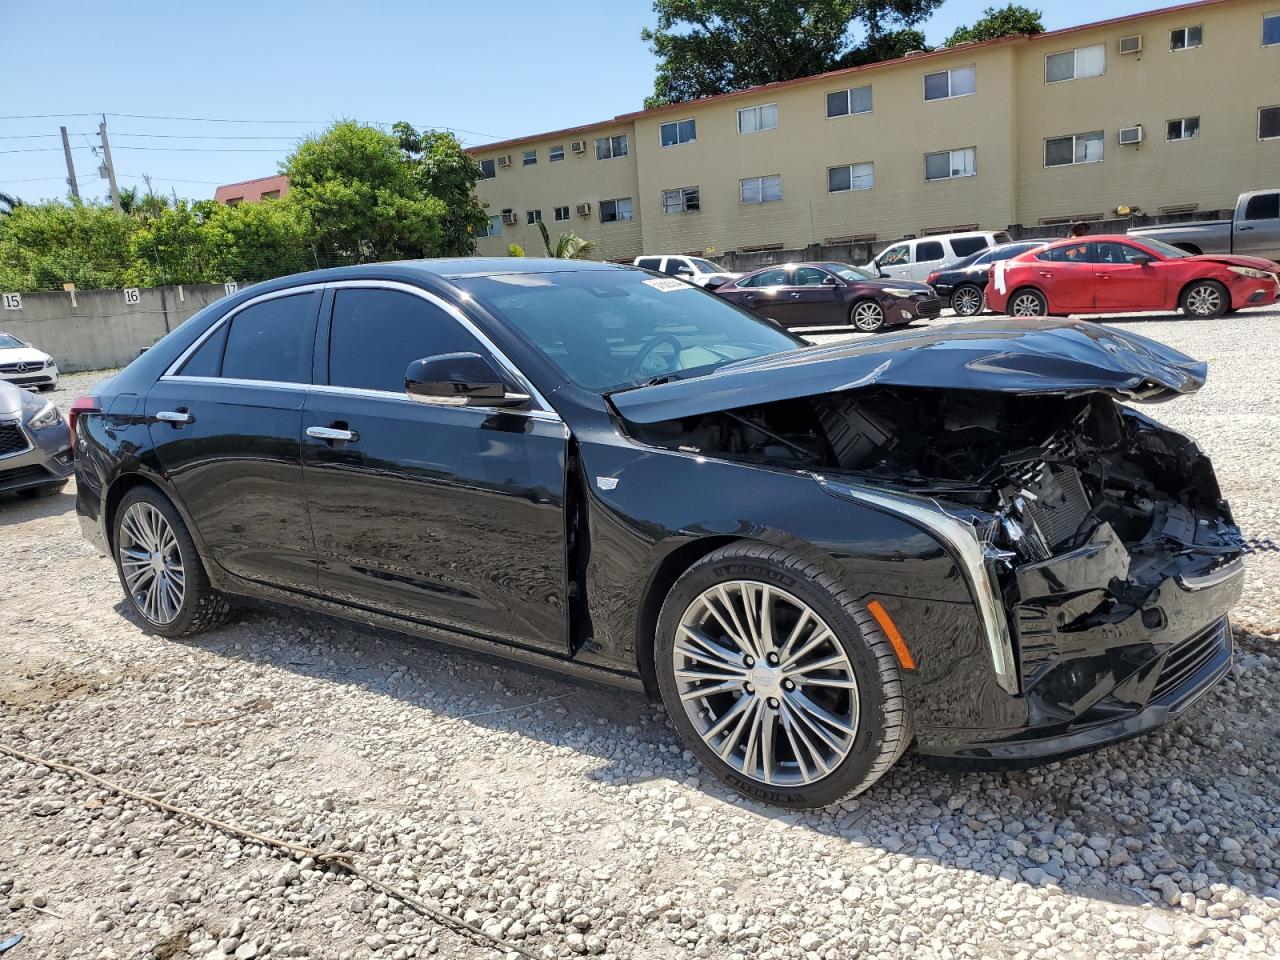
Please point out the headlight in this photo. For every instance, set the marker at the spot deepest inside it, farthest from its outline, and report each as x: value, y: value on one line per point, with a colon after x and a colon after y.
x: 1250, y: 272
x: 46, y: 416
x: 903, y: 292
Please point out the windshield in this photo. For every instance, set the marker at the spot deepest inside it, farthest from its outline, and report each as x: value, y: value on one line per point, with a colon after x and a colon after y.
x: 704, y: 266
x: 1164, y: 249
x: 7, y: 342
x: 608, y: 329
x: 850, y: 273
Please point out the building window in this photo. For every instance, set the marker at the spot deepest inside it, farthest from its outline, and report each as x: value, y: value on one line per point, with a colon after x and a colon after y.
x: 755, y: 119
x: 529, y: 158
x: 487, y: 169
x: 613, y: 210
x: 1184, y: 38
x: 845, y: 103
x: 234, y: 201
x: 562, y: 213
x: 1078, y: 148
x: 960, y: 82
x: 947, y: 164
x: 1188, y: 128
x: 1075, y: 64
x: 680, y: 200
x: 555, y: 153
x: 494, y: 228
x: 534, y: 216
x: 677, y: 132
x: 1271, y: 30
x: 609, y: 147
x: 760, y: 189
x: 270, y: 195
x: 853, y: 176
x: 1268, y: 123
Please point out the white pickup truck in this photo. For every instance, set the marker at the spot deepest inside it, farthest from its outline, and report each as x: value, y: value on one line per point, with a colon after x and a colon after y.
x: 1253, y: 231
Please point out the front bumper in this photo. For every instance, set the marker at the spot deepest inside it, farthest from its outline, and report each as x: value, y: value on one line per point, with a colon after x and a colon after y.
x: 48, y: 377
x: 48, y: 460
x: 901, y: 310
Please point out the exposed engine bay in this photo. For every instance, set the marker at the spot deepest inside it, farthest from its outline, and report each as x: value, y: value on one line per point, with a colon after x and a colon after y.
x: 1075, y: 497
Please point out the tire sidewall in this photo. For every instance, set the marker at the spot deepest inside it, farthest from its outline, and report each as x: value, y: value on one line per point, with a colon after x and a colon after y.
x: 1029, y: 291
x: 961, y: 289
x: 869, y: 739
x: 853, y: 311
x: 1224, y: 299
x: 186, y: 550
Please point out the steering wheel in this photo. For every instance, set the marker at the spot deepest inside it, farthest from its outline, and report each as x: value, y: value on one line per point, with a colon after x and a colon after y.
x: 635, y: 369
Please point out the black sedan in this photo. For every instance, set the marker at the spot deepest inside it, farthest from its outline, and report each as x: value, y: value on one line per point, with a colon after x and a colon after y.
x: 963, y: 283
x: 814, y: 556
x: 35, y: 451
x: 829, y: 294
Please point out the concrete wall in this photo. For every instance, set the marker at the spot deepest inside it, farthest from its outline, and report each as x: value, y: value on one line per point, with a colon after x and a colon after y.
x: 100, y: 329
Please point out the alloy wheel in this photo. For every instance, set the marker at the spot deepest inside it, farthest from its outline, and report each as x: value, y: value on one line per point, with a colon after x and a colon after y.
x: 1026, y: 305
x: 1204, y: 301
x: 766, y: 683
x: 152, y: 563
x: 868, y: 317
x: 967, y: 301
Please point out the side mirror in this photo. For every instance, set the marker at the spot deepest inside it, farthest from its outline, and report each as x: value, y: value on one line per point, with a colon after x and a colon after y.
x: 830, y: 281
x: 458, y: 380
x: 715, y: 283
x: 1141, y: 260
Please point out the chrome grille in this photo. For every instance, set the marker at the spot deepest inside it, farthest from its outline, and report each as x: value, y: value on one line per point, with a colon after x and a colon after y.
x: 26, y: 366
x: 12, y: 439
x: 1188, y: 658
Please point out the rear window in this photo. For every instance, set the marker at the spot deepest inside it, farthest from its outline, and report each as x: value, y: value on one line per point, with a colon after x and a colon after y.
x: 267, y: 341
x: 964, y: 246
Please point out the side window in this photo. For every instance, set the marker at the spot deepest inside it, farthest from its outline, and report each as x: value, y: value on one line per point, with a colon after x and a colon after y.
x: 207, y: 360
x: 769, y: 278
x: 928, y: 250
x: 963, y: 246
x: 650, y: 263
x: 895, y: 255
x: 269, y: 340
x: 1118, y: 253
x: 985, y: 259
x: 679, y: 267
x: 808, y: 277
x: 375, y: 334
x: 1265, y: 206
x: 1071, y: 253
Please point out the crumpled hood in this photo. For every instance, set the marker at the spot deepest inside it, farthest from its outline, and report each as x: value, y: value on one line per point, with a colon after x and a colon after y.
x: 1233, y: 260
x: 1066, y: 357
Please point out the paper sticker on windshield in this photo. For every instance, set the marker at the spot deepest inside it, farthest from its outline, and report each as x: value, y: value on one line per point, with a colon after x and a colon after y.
x: 667, y: 284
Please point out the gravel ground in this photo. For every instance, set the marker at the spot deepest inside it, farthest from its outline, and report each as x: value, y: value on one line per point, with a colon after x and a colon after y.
x: 567, y: 816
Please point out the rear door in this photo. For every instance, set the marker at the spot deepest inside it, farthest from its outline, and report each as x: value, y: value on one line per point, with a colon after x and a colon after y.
x: 226, y: 424
x: 446, y: 515
x: 814, y: 298
x: 766, y: 293
x: 1257, y: 232
x: 927, y: 257
x: 1123, y: 284
x: 1065, y: 275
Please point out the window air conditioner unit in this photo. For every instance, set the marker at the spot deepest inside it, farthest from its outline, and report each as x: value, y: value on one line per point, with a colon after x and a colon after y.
x: 1131, y: 44
x: 504, y: 161
x: 508, y: 216
x: 578, y: 146
x: 584, y: 209
x: 1131, y: 135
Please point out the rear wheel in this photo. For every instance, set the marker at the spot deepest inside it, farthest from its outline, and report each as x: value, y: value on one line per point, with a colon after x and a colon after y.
x: 778, y: 679
x: 867, y: 316
x: 159, y: 568
x: 1028, y: 302
x: 1206, y: 299
x: 967, y: 300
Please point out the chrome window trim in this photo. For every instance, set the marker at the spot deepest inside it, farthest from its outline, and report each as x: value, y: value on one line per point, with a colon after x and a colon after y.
x: 548, y: 415
x: 544, y: 410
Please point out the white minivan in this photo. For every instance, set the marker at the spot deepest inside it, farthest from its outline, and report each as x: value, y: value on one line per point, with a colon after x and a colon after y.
x: 694, y: 269
x: 916, y: 259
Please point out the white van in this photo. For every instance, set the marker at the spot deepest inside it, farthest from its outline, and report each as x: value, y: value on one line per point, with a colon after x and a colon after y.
x: 694, y: 269
x: 916, y: 259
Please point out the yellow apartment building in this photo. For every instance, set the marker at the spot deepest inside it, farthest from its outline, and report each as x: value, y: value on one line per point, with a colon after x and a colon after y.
x: 1170, y: 111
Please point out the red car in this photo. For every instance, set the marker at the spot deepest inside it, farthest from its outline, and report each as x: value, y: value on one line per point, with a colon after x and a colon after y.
x: 1121, y: 274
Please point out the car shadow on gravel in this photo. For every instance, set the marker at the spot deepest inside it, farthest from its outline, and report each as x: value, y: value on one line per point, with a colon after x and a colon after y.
x: 17, y: 509
x: 1104, y: 826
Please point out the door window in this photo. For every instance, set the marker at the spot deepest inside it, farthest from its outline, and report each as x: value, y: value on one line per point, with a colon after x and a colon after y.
x: 894, y: 256
x: 1070, y: 253
x: 650, y: 263
x: 768, y: 278
x: 375, y: 334
x: 809, y: 277
x: 1118, y: 253
x: 1266, y: 206
x: 268, y: 341
x: 207, y: 361
x: 928, y: 250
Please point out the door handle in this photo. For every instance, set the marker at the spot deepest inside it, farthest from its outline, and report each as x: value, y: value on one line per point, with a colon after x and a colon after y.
x: 1243, y: 227
x: 1044, y: 273
x: 177, y: 417
x: 793, y: 295
x: 333, y: 434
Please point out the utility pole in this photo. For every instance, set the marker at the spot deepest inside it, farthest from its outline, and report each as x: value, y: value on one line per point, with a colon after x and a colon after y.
x: 71, y: 167
x: 111, y: 171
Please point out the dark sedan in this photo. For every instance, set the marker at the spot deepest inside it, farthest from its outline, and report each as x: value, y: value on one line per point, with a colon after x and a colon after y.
x: 830, y: 294
x: 963, y: 537
x: 963, y: 283
x: 35, y: 452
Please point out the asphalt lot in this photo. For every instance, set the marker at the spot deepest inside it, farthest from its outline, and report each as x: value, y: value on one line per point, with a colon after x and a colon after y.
x: 567, y: 818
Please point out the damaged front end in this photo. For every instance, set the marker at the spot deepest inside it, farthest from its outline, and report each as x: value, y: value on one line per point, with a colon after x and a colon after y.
x: 1101, y: 556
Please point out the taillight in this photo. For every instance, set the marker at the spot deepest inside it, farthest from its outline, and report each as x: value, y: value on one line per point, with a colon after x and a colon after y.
x: 932, y: 278
x: 88, y: 404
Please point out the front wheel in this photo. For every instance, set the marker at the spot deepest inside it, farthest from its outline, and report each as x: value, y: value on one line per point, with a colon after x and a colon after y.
x: 778, y: 679
x: 967, y: 301
x: 159, y: 568
x: 867, y: 316
x: 1028, y: 303
x: 1206, y: 300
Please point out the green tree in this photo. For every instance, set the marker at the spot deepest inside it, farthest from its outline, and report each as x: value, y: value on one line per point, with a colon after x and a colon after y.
x: 997, y: 22
x: 172, y: 245
x: 257, y: 241
x: 446, y: 171
x: 363, y: 196
x: 44, y: 245
x: 706, y: 47
x: 570, y: 246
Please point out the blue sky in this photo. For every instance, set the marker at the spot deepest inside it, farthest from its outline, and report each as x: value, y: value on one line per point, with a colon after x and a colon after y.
x: 491, y: 71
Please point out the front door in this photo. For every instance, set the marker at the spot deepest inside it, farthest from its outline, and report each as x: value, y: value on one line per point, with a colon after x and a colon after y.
x: 226, y: 428
x: 445, y: 515
x: 1123, y: 283
x: 895, y: 262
